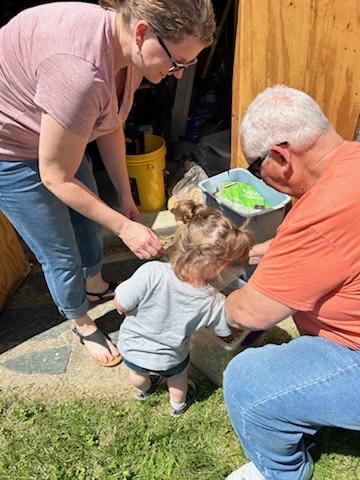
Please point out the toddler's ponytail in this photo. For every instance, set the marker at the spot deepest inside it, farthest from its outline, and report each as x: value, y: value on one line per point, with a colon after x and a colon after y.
x: 188, y: 210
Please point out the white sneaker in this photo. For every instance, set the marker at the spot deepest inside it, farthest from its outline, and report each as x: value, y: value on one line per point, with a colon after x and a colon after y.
x: 250, y: 472
x: 246, y: 472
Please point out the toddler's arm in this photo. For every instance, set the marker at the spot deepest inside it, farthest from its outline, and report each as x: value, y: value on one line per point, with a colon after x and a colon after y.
x: 129, y: 293
x: 119, y: 307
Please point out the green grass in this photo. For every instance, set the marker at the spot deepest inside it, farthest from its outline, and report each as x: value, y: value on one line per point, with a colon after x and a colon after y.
x: 93, y: 440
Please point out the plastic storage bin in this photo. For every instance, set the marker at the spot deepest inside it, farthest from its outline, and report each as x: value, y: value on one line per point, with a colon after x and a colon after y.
x: 263, y: 223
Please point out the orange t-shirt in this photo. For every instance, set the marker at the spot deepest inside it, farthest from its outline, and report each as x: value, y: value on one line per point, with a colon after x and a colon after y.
x: 313, y: 264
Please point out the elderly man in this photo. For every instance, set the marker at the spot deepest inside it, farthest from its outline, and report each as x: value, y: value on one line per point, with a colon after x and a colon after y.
x: 311, y: 270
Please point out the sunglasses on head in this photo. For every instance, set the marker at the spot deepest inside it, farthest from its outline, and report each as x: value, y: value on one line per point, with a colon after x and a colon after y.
x: 255, y: 167
x: 175, y: 65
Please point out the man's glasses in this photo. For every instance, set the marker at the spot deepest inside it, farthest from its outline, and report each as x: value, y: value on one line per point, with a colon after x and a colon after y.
x: 255, y: 167
x: 175, y: 65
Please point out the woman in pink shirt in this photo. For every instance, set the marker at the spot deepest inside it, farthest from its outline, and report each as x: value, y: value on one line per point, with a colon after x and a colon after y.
x: 68, y: 75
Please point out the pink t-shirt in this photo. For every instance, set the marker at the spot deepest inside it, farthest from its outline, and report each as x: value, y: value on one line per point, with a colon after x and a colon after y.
x: 58, y: 58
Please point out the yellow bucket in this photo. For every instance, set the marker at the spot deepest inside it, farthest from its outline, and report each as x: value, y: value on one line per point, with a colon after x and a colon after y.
x: 146, y: 174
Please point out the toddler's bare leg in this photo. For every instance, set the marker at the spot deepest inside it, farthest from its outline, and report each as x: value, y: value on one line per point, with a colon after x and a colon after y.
x: 141, y: 381
x: 178, y: 386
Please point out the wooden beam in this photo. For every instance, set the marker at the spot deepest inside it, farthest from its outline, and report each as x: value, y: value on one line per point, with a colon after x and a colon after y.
x: 312, y: 45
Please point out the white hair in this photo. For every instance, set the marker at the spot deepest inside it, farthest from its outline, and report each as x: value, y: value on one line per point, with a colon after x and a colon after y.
x: 281, y: 114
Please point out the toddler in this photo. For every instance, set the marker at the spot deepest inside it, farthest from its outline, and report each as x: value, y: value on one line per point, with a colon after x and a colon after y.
x: 165, y: 303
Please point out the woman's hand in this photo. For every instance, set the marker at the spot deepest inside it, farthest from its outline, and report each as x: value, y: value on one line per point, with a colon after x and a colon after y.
x: 258, y: 251
x: 141, y: 240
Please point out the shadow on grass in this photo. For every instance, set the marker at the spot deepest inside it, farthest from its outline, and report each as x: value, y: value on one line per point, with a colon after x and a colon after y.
x: 336, y: 440
x: 205, y: 388
x: 31, y: 311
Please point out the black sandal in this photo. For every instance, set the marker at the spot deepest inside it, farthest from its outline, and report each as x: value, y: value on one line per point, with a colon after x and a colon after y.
x: 100, y: 338
x: 108, y: 294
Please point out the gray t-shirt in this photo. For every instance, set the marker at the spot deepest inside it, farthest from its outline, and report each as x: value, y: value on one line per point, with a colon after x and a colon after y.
x: 163, y: 314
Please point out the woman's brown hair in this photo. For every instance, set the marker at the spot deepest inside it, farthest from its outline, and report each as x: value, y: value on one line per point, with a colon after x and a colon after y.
x: 206, y: 239
x: 170, y: 19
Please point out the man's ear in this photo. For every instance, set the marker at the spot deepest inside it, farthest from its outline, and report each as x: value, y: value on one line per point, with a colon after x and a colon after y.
x: 282, y: 154
x: 141, y: 29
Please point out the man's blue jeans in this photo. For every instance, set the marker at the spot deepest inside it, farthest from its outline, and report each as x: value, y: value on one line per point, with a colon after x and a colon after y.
x: 67, y: 244
x: 277, y: 393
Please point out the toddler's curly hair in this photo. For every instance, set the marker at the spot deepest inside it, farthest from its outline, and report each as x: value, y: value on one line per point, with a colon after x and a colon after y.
x: 205, y: 239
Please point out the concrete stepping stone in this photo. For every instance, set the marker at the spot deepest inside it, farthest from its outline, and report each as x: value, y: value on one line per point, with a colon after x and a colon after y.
x: 52, y: 361
x: 54, y: 332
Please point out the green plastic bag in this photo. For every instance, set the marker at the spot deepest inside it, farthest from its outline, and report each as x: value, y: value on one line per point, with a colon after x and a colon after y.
x: 243, y: 194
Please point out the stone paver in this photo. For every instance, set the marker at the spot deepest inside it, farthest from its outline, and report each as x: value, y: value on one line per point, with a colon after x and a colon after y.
x: 51, y: 361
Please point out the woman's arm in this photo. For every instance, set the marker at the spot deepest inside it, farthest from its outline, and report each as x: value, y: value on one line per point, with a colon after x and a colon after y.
x: 60, y: 155
x: 113, y: 153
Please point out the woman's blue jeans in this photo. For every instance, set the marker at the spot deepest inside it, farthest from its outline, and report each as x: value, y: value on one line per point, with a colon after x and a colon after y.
x: 277, y: 393
x: 67, y: 244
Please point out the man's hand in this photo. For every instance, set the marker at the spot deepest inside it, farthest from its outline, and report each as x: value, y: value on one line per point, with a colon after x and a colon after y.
x: 258, y: 251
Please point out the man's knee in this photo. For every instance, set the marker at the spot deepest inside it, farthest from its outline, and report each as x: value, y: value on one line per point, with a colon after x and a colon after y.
x: 241, y: 377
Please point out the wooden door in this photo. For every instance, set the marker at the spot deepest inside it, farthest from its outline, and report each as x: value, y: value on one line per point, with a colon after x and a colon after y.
x: 312, y: 45
x: 13, y: 264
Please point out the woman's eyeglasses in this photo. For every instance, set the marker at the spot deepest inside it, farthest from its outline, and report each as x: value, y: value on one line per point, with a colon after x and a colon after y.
x: 175, y: 65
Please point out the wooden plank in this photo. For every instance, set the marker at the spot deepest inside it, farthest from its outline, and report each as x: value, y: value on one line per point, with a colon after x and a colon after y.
x: 311, y: 45
x: 13, y: 265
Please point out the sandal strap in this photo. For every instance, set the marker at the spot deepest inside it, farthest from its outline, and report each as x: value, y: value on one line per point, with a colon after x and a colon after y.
x: 98, y: 337
x: 111, y: 288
